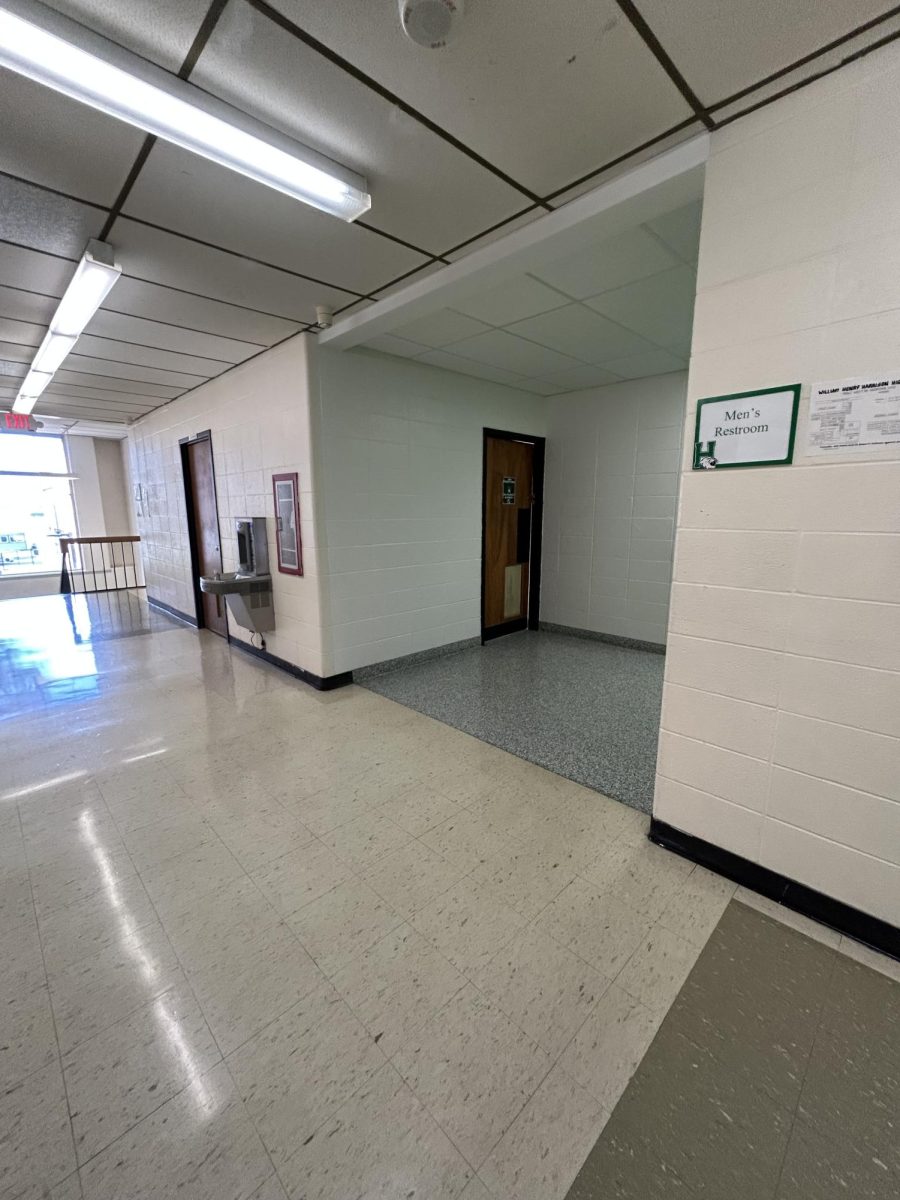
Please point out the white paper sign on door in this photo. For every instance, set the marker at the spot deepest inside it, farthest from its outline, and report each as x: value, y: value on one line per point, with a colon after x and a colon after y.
x: 854, y: 414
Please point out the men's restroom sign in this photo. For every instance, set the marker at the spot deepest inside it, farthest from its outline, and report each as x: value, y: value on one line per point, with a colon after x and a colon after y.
x: 508, y: 495
x: 746, y: 429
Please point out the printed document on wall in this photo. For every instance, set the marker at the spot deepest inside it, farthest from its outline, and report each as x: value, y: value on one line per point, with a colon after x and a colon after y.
x: 854, y: 414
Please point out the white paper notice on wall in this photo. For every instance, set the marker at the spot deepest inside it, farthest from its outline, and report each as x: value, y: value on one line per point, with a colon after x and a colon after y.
x: 854, y: 414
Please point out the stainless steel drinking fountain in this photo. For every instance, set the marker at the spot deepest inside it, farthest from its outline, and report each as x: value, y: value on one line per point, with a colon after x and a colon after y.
x: 248, y: 590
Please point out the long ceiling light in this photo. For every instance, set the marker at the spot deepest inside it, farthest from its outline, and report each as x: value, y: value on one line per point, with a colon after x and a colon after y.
x: 97, y: 72
x: 90, y: 285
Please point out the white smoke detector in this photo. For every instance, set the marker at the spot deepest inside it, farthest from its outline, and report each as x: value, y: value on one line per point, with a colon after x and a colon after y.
x: 431, y: 23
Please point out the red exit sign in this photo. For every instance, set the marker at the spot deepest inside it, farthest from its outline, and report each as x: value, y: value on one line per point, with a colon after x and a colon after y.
x: 12, y: 422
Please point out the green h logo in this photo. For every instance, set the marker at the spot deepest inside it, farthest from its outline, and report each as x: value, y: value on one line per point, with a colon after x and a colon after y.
x: 705, y: 456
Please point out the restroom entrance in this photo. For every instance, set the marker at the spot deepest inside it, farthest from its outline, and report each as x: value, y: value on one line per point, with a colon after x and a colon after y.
x: 203, y: 528
x: 512, y: 499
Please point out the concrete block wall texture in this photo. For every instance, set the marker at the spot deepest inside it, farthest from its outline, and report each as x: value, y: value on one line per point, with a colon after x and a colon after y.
x: 613, y: 455
x: 260, y: 421
x: 781, y: 710
x: 399, y: 451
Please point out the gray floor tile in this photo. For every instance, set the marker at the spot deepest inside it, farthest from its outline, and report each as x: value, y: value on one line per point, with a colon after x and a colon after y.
x: 773, y: 1077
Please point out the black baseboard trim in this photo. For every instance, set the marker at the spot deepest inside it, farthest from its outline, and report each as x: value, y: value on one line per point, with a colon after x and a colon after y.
x: 172, y: 612
x: 860, y: 926
x: 326, y: 683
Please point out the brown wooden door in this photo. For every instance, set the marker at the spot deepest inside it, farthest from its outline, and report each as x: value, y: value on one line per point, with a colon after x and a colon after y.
x: 202, y: 490
x: 508, y: 503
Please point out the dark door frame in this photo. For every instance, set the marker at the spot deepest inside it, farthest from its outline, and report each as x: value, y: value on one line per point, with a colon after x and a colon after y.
x: 186, y: 477
x: 537, y: 530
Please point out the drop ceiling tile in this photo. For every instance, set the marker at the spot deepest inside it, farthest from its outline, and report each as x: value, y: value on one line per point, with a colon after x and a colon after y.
x: 10, y: 369
x: 680, y: 230
x: 721, y: 46
x: 142, y: 332
x: 622, y: 259
x: 191, y: 195
x: 660, y: 308
x: 70, y: 375
x: 21, y: 332
x: 490, y: 235
x: 501, y: 349
x: 424, y: 190
x: 794, y: 80
x: 616, y: 167
x: 85, y: 412
x: 108, y: 368
x: 442, y: 328
x: 514, y: 301
x: 387, y: 343
x: 580, y: 333
x: 164, y: 258
x: 140, y: 298
x: 30, y: 270
x: 392, y: 288
x: 125, y: 400
x: 15, y: 352
x: 539, y: 387
x: 466, y: 366
x: 582, y: 377
x: 519, y: 82
x: 145, y: 356
x: 19, y: 305
x: 162, y: 31
x: 653, y: 362
x: 40, y: 220
x: 52, y: 405
x: 50, y: 139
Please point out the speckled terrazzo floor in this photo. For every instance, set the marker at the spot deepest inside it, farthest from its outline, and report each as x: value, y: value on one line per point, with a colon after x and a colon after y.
x: 584, y: 709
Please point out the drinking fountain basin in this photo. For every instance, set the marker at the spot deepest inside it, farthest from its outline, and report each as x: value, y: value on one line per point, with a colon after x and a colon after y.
x: 233, y: 583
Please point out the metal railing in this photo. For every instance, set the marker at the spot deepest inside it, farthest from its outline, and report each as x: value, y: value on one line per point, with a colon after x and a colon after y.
x: 100, y: 564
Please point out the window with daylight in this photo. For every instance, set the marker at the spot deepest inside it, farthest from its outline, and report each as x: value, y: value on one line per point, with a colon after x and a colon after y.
x: 36, y: 504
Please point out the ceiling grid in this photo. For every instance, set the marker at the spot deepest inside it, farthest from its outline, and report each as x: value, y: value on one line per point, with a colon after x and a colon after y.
x: 460, y: 147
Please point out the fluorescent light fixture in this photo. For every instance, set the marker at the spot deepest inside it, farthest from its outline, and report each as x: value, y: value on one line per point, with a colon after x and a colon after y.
x: 94, y: 71
x: 54, y: 349
x: 89, y: 287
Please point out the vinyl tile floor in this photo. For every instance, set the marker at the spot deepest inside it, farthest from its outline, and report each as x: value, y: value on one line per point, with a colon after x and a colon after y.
x: 263, y: 942
x: 585, y: 709
x: 774, y: 1076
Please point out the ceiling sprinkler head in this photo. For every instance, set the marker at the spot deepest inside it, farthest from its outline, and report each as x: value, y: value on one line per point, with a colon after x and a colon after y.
x: 430, y: 23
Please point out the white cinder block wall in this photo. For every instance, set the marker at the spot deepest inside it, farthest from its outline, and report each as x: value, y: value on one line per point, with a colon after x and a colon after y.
x: 259, y: 417
x: 400, y: 468
x: 613, y: 456
x: 781, y: 709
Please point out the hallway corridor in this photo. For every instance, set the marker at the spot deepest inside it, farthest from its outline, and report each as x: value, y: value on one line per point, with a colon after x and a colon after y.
x: 264, y: 942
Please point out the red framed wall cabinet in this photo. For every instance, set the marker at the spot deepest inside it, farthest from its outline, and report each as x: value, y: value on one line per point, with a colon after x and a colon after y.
x: 286, y: 489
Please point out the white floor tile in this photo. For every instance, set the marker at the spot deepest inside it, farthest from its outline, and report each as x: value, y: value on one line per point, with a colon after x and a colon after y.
x: 546, y: 989
x: 543, y: 1150
x: 383, y: 1142
x: 398, y: 985
x: 444, y: 1064
x: 298, y: 1071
